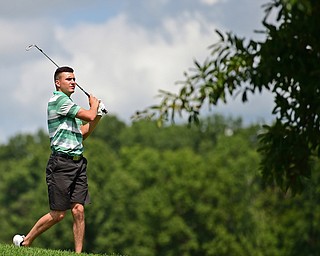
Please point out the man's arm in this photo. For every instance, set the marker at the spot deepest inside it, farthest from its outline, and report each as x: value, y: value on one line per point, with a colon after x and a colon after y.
x: 88, y: 128
x: 89, y: 115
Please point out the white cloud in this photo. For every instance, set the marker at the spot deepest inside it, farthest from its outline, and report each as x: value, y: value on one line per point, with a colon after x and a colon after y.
x: 121, y: 61
x: 210, y: 2
x: 126, y: 65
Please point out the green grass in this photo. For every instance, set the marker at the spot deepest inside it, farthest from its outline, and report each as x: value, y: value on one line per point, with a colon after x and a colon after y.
x: 10, y: 250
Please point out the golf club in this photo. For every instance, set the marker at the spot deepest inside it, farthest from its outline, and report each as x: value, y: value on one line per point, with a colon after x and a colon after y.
x: 31, y: 46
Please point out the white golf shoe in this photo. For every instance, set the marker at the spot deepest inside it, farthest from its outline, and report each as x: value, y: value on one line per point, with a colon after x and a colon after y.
x: 18, y: 240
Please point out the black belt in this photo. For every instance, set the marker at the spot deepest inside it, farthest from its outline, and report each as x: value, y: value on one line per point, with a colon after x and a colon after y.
x: 64, y: 155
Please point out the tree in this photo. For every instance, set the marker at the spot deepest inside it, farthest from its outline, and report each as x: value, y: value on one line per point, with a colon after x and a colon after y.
x: 285, y: 63
x: 108, y: 129
x: 177, y: 136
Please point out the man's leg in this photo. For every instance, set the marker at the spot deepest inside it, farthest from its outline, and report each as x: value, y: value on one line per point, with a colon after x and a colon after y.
x: 78, y: 226
x: 43, y: 224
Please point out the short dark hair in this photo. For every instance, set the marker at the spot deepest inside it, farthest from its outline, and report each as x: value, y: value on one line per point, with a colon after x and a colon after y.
x: 61, y: 70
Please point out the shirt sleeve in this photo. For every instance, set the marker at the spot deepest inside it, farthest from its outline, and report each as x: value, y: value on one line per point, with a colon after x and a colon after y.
x: 67, y: 107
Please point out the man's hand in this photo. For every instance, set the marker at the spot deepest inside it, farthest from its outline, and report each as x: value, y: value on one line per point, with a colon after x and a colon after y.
x: 93, y: 102
x: 102, y: 109
x: 89, y: 115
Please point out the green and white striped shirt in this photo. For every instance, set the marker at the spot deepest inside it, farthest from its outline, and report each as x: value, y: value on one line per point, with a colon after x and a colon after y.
x: 64, y: 128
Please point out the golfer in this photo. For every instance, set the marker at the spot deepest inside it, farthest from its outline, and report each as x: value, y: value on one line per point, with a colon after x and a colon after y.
x: 66, y: 176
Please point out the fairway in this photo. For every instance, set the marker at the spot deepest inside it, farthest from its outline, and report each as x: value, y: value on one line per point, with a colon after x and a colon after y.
x: 10, y: 250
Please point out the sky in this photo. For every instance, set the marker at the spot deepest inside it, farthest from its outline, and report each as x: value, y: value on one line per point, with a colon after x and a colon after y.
x: 123, y: 52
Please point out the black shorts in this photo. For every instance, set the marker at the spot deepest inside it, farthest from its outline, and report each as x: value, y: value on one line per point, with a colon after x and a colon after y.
x: 67, y: 182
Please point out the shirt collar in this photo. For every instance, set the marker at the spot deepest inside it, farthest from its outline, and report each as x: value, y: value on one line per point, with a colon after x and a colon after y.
x: 60, y: 93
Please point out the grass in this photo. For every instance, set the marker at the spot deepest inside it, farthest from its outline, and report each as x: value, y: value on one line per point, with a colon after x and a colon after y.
x: 10, y: 250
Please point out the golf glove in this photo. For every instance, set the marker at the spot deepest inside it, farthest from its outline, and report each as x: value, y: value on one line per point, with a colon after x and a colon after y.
x: 101, y: 109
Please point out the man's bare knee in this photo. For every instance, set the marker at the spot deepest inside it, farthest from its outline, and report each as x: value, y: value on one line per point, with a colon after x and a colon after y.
x: 57, y: 216
x: 77, y: 211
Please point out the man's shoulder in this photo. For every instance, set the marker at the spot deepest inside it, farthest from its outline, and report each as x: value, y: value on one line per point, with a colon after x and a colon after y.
x: 59, y: 95
x: 59, y: 99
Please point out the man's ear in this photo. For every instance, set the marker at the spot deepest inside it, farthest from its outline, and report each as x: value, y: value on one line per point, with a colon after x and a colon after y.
x: 57, y: 83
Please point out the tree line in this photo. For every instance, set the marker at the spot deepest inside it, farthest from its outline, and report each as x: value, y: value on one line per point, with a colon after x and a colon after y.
x: 175, y: 190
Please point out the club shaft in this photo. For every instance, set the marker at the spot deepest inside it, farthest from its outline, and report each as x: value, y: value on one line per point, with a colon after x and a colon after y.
x: 83, y: 90
x: 40, y: 50
x: 46, y: 56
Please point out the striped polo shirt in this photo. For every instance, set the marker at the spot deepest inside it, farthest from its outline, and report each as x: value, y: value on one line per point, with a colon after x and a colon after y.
x: 64, y: 128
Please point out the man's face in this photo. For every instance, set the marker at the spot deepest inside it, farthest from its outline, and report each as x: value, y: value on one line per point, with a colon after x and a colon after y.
x: 66, y: 83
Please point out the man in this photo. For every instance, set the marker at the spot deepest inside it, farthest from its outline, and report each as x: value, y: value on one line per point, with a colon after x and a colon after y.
x: 66, y: 169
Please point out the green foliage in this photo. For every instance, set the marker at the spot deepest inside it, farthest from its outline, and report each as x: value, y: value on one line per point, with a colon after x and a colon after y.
x: 285, y: 63
x: 175, y: 190
x: 109, y: 126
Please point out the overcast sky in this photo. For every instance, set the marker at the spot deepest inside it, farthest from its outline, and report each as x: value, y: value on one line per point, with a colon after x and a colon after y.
x: 122, y: 51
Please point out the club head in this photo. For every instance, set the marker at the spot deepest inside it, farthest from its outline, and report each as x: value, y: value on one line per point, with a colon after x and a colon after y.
x: 29, y: 47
